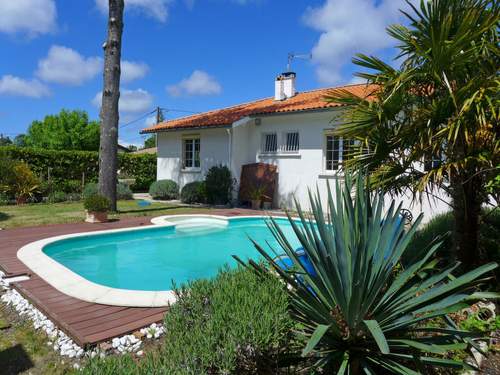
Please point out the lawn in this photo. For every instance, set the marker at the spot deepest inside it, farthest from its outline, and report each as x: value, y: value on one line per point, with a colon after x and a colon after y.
x: 72, y: 212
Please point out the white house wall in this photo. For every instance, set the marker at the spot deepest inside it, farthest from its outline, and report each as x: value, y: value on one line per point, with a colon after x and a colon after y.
x: 214, y: 150
x: 296, y: 171
x: 305, y: 169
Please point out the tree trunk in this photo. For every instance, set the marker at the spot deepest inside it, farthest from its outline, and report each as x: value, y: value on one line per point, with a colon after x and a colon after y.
x: 467, y: 211
x: 108, y: 158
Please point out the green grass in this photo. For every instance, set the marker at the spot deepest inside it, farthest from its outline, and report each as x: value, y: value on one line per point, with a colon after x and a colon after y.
x: 72, y: 212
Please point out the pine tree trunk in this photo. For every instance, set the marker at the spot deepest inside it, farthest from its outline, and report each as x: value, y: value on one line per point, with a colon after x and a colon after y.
x: 108, y: 158
x: 467, y: 211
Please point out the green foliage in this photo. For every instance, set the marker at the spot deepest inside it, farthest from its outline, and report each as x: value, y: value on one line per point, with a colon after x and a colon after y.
x: 236, y: 323
x: 5, y: 141
x: 150, y: 142
x: 123, y: 191
x: 489, y: 239
x: 97, y: 203
x: 57, y: 197
x: 90, y: 189
x: 21, y: 182
x: 356, y: 312
x: 68, y: 130
x: 194, y: 192
x: 219, y: 185
x: 164, y: 189
x: 73, y: 165
x: 475, y: 322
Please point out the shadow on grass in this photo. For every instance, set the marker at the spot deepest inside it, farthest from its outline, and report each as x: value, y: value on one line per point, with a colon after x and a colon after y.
x: 144, y: 210
x: 15, y: 360
x: 4, y: 216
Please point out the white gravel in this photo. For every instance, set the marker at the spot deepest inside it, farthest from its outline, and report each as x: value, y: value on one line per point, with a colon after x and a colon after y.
x: 60, y: 342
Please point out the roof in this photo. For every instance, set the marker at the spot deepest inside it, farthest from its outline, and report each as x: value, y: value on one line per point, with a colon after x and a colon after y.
x: 303, y: 101
x: 151, y: 150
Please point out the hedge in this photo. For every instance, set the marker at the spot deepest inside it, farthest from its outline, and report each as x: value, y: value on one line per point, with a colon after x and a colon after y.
x: 74, y: 165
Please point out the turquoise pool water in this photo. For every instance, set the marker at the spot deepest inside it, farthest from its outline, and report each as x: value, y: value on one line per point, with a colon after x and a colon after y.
x: 150, y: 259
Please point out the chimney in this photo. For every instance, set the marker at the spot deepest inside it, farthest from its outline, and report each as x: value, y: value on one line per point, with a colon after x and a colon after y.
x: 284, y: 86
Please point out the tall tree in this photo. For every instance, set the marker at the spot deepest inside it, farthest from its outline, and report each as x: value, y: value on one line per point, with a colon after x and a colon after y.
x: 108, y: 158
x: 5, y: 141
x: 67, y: 130
x: 441, y: 106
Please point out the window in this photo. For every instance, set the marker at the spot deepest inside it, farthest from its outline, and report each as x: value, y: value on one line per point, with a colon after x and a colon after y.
x: 292, y: 142
x: 431, y: 162
x: 337, y: 150
x: 270, y: 143
x: 191, y: 153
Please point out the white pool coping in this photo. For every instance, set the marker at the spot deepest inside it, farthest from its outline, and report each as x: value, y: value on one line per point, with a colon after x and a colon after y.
x: 68, y: 282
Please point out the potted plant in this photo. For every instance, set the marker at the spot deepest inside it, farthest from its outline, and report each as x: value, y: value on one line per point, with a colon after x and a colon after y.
x: 96, y: 208
x: 255, y: 194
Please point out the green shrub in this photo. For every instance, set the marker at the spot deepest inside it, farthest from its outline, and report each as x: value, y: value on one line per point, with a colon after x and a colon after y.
x: 219, y: 185
x: 164, y: 189
x: 90, y: 189
x: 357, y: 314
x: 489, y: 238
x: 75, y: 165
x: 68, y: 186
x: 97, y: 203
x: 123, y: 191
x: 194, y: 192
x: 235, y: 323
x: 57, y: 196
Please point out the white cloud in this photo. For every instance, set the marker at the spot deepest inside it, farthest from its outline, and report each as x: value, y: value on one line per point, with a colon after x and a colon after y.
x: 133, y: 70
x: 15, y: 86
x: 32, y: 17
x: 198, y: 83
x: 348, y: 27
x: 157, y: 9
x: 131, y: 101
x: 66, y: 66
x: 151, y: 120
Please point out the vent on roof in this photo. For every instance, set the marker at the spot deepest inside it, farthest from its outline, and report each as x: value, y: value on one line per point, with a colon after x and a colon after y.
x: 284, y: 86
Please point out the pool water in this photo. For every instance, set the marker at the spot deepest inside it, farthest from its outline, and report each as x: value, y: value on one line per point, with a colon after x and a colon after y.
x: 153, y: 259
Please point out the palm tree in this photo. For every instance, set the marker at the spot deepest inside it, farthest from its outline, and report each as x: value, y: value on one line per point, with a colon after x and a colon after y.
x: 108, y: 158
x: 433, y: 123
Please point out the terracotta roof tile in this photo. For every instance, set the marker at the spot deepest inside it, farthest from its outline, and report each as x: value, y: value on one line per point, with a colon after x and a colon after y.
x: 304, y: 101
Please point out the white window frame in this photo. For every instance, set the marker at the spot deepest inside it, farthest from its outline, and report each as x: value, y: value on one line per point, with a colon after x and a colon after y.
x: 192, y: 138
x: 264, y: 141
x: 340, y: 159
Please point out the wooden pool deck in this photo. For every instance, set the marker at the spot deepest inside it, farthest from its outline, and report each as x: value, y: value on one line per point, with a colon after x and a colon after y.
x: 86, y: 323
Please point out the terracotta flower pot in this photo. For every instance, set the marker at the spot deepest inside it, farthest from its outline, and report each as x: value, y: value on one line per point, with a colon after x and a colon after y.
x: 256, y: 204
x: 96, y: 217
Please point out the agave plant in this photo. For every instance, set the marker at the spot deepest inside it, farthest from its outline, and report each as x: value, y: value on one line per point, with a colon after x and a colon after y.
x: 359, y: 310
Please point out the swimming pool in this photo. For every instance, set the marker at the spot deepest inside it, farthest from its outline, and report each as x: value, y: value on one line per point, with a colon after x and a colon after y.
x: 139, y: 266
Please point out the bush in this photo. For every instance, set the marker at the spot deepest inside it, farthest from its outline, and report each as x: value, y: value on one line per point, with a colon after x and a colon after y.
x: 24, y: 184
x: 73, y: 165
x: 164, y: 189
x: 235, y: 323
x: 489, y: 238
x: 90, y: 189
x: 57, y: 197
x: 194, y: 192
x: 219, y: 185
x: 97, y: 203
x: 123, y: 191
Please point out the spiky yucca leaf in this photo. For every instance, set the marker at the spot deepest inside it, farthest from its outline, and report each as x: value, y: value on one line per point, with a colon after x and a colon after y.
x: 357, y: 312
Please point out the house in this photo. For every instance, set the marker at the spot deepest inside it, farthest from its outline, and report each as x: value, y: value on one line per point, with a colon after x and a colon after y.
x: 291, y: 130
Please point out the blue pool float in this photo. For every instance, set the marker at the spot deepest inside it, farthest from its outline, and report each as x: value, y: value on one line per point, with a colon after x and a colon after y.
x: 285, y: 262
x: 143, y: 203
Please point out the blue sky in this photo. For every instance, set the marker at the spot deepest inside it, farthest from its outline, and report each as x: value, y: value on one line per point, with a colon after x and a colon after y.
x: 193, y: 55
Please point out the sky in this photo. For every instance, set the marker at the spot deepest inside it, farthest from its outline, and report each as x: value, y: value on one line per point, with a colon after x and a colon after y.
x: 182, y: 55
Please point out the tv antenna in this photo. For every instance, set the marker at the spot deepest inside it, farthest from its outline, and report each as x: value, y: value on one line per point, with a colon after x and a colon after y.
x: 292, y: 56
